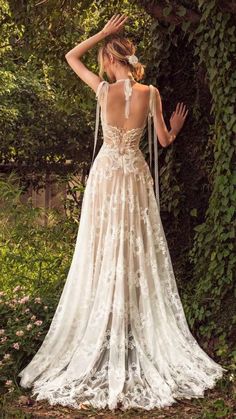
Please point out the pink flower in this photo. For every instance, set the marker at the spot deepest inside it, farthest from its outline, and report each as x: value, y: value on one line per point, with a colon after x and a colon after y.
x: 33, y: 317
x: 27, y: 310
x: 24, y: 299
x: 17, y: 288
x: 29, y: 326
x: 19, y: 333
x: 2, y: 331
x: 16, y: 345
x: 8, y: 383
x: 2, y: 293
x: 38, y: 322
x: 7, y: 356
x: 37, y: 300
x: 4, y: 339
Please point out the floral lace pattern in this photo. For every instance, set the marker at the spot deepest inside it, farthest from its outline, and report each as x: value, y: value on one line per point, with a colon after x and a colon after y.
x: 119, y: 332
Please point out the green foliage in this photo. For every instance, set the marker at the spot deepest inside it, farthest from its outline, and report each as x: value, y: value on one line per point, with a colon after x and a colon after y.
x: 197, y: 173
x: 47, y: 113
x: 213, y: 252
x: 32, y: 255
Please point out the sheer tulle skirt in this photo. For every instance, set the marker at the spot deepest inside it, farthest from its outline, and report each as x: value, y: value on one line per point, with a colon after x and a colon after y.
x: 119, y: 333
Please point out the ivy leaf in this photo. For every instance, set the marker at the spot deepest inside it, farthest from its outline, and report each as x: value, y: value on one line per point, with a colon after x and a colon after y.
x: 234, y: 178
x: 193, y: 212
x: 181, y: 11
x: 167, y: 11
x: 185, y: 25
x: 212, y: 52
x: 199, y: 228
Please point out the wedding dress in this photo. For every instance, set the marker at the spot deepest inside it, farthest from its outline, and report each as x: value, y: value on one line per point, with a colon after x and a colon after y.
x: 119, y: 334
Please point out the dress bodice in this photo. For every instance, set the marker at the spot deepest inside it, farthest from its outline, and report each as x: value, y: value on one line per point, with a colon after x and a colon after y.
x: 124, y: 140
x: 120, y: 141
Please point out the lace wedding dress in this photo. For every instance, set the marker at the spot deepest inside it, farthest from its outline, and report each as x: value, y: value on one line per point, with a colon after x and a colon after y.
x: 119, y: 335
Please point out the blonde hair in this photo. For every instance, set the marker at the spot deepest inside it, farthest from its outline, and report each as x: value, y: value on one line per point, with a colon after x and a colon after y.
x: 119, y: 47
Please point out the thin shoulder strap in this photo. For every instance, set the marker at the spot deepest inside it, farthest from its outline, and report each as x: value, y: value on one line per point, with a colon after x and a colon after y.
x: 101, y: 94
x: 151, y: 114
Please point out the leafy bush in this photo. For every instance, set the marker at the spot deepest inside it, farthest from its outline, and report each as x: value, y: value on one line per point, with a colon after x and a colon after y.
x: 24, y: 321
x: 32, y: 254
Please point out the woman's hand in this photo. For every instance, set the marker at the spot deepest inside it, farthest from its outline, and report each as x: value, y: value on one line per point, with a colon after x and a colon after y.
x: 177, y: 118
x: 114, y: 25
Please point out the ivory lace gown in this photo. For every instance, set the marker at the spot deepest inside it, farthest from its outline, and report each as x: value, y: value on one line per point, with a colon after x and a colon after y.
x: 119, y: 333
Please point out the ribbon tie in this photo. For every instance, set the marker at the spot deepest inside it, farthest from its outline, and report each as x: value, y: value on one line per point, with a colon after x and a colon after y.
x: 128, y: 93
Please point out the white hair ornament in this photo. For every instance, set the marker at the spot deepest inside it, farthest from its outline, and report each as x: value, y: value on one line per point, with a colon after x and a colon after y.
x: 133, y: 59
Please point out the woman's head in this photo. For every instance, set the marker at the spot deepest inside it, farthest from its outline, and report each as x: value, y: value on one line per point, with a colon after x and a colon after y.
x: 112, y: 57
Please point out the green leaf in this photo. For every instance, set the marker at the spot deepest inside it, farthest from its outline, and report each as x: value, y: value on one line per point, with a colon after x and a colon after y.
x: 193, y: 212
x: 181, y: 11
x: 185, y: 25
x: 167, y: 10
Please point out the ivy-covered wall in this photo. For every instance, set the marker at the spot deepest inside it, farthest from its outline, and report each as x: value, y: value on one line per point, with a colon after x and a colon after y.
x: 194, y: 62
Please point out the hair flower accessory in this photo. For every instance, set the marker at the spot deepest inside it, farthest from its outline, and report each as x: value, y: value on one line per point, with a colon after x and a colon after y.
x: 133, y: 60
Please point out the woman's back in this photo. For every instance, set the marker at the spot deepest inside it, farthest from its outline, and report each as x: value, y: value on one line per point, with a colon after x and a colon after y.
x: 138, y: 105
x: 126, y: 108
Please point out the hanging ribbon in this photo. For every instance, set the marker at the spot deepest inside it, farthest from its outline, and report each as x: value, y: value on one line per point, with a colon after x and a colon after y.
x: 98, y: 93
x: 128, y: 93
x: 151, y: 115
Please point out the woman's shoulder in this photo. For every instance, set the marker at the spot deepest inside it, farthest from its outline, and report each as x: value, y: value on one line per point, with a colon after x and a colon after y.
x: 105, y: 85
x: 100, y: 88
x: 146, y: 87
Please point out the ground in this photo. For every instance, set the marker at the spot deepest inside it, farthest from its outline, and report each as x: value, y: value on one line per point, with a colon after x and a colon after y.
x: 219, y: 402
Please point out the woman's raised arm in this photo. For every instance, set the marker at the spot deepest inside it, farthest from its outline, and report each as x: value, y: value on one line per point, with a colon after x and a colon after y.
x: 73, y: 56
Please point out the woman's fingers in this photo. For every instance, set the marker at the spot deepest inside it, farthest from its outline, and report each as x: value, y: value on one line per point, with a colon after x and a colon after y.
x: 180, y: 109
x: 121, y: 20
x: 186, y: 113
x: 118, y: 20
x: 113, y: 18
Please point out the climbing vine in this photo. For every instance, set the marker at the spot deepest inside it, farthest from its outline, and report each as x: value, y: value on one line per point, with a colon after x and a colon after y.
x: 213, y: 253
x: 210, y: 41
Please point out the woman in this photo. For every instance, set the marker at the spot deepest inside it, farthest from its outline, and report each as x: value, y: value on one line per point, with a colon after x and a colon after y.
x: 119, y: 336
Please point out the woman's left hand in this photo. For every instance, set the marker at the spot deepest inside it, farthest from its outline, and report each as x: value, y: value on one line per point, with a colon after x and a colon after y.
x: 114, y: 24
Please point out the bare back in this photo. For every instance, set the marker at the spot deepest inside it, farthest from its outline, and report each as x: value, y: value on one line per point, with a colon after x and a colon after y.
x: 126, y: 108
x: 139, y: 105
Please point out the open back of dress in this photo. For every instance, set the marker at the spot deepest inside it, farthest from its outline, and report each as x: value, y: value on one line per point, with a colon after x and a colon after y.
x: 125, y: 139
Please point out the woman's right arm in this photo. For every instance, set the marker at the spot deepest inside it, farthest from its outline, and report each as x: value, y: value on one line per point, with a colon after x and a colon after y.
x: 176, y: 121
